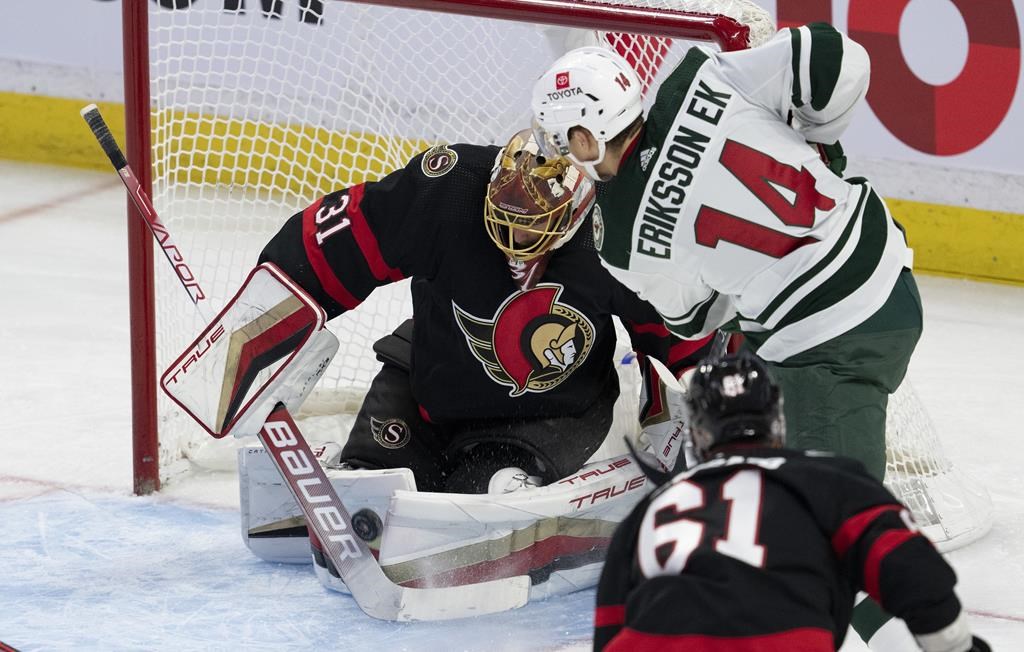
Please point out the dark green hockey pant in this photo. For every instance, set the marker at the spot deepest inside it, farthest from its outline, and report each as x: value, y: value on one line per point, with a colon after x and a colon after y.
x: 836, y: 393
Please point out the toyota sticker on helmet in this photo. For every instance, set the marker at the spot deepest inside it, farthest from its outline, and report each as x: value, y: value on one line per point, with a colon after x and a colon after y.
x: 566, y: 92
x: 561, y: 80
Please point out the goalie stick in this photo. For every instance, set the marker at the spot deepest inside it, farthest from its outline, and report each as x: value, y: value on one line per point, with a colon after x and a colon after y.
x: 325, y: 514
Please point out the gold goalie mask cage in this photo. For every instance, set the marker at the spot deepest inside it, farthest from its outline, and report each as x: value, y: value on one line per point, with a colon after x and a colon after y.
x: 534, y: 203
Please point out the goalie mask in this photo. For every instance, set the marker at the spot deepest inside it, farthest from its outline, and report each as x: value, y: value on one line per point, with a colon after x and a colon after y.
x: 733, y: 400
x: 534, y: 203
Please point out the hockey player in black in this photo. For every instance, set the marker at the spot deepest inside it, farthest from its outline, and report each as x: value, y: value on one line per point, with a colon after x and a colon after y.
x: 763, y: 548
x: 510, y: 361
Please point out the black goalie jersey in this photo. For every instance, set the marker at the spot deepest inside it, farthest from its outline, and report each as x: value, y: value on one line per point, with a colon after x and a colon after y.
x: 765, y: 551
x: 481, y: 348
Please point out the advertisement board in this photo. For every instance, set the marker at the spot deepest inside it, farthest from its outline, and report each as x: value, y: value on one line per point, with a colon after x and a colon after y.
x: 946, y: 74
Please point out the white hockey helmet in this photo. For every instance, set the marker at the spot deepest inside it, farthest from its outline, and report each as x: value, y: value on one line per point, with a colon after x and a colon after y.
x: 590, y: 87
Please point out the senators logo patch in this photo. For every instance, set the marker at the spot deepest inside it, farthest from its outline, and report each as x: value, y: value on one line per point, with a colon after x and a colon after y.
x: 390, y: 433
x: 439, y: 161
x: 533, y: 342
x: 598, y: 221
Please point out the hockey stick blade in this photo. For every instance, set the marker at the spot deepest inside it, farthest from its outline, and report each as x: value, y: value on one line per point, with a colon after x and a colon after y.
x: 325, y: 514
x: 668, y: 379
x: 719, y: 347
x: 375, y: 593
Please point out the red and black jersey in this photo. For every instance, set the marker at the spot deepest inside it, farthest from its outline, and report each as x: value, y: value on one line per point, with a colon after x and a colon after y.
x: 765, y: 550
x: 481, y: 348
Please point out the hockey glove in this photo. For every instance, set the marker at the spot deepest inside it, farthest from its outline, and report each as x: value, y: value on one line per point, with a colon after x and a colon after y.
x: 833, y: 156
x: 268, y: 346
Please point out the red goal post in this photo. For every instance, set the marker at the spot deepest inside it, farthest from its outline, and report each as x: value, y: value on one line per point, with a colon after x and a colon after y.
x: 142, y: 301
x: 652, y: 19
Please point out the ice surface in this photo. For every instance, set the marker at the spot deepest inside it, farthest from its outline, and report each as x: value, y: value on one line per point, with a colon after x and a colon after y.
x: 85, y: 566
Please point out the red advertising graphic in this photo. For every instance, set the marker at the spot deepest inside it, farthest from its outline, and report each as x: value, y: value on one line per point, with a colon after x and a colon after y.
x: 944, y: 119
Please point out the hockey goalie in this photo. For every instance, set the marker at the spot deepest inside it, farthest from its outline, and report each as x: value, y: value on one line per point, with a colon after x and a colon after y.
x: 491, y: 441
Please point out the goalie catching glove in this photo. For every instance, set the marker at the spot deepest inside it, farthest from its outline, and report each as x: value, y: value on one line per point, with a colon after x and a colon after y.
x: 267, y: 346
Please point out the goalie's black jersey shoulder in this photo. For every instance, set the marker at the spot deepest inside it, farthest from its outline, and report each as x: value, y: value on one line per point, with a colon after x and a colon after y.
x: 358, y: 238
x: 443, y: 184
x: 432, y: 204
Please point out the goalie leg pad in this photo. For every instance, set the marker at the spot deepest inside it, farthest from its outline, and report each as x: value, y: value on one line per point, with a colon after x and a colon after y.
x: 273, y: 526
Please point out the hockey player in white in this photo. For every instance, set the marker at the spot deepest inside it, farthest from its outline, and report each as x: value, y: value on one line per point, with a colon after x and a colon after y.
x: 722, y: 210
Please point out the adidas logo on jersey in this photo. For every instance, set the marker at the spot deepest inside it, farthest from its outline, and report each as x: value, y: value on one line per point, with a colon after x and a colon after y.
x: 646, y: 156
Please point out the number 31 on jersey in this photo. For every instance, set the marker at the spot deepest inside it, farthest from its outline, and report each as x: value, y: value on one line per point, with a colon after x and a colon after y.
x: 327, y: 213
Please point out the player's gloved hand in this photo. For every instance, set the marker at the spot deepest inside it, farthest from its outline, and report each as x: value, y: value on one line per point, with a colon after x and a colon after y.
x: 979, y: 645
x: 833, y: 156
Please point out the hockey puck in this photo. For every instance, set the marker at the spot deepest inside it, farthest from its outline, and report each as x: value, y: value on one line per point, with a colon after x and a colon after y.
x: 366, y: 524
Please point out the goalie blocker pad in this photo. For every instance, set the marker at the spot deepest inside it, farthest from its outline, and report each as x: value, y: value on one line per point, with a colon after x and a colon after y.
x: 267, y: 346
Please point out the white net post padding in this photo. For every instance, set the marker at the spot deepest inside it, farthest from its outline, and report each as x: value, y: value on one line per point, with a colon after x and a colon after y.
x: 254, y: 116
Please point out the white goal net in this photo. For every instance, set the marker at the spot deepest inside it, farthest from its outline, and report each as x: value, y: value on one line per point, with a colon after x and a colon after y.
x: 258, y: 108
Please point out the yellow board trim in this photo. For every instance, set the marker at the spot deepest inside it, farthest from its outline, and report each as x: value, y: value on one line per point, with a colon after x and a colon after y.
x: 307, y: 161
x: 961, y: 241
x: 51, y: 130
x: 298, y: 159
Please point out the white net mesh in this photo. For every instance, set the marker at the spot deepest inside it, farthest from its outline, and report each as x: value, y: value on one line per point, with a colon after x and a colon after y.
x: 951, y: 509
x: 255, y: 116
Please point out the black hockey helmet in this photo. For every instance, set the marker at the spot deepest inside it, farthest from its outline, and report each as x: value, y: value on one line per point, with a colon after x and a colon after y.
x: 733, y: 399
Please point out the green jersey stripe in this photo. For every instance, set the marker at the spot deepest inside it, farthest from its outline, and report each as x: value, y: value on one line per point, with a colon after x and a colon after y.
x: 826, y: 63
x: 621, y: 198
x: 693, y: 321
x: 675, y: 89
x: 788, y: 291
x: 794, y: 37
x: 856, y: 271
x: 688, y: 315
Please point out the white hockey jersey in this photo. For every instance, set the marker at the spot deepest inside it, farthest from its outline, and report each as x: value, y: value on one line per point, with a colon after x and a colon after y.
x: 722, y: 214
